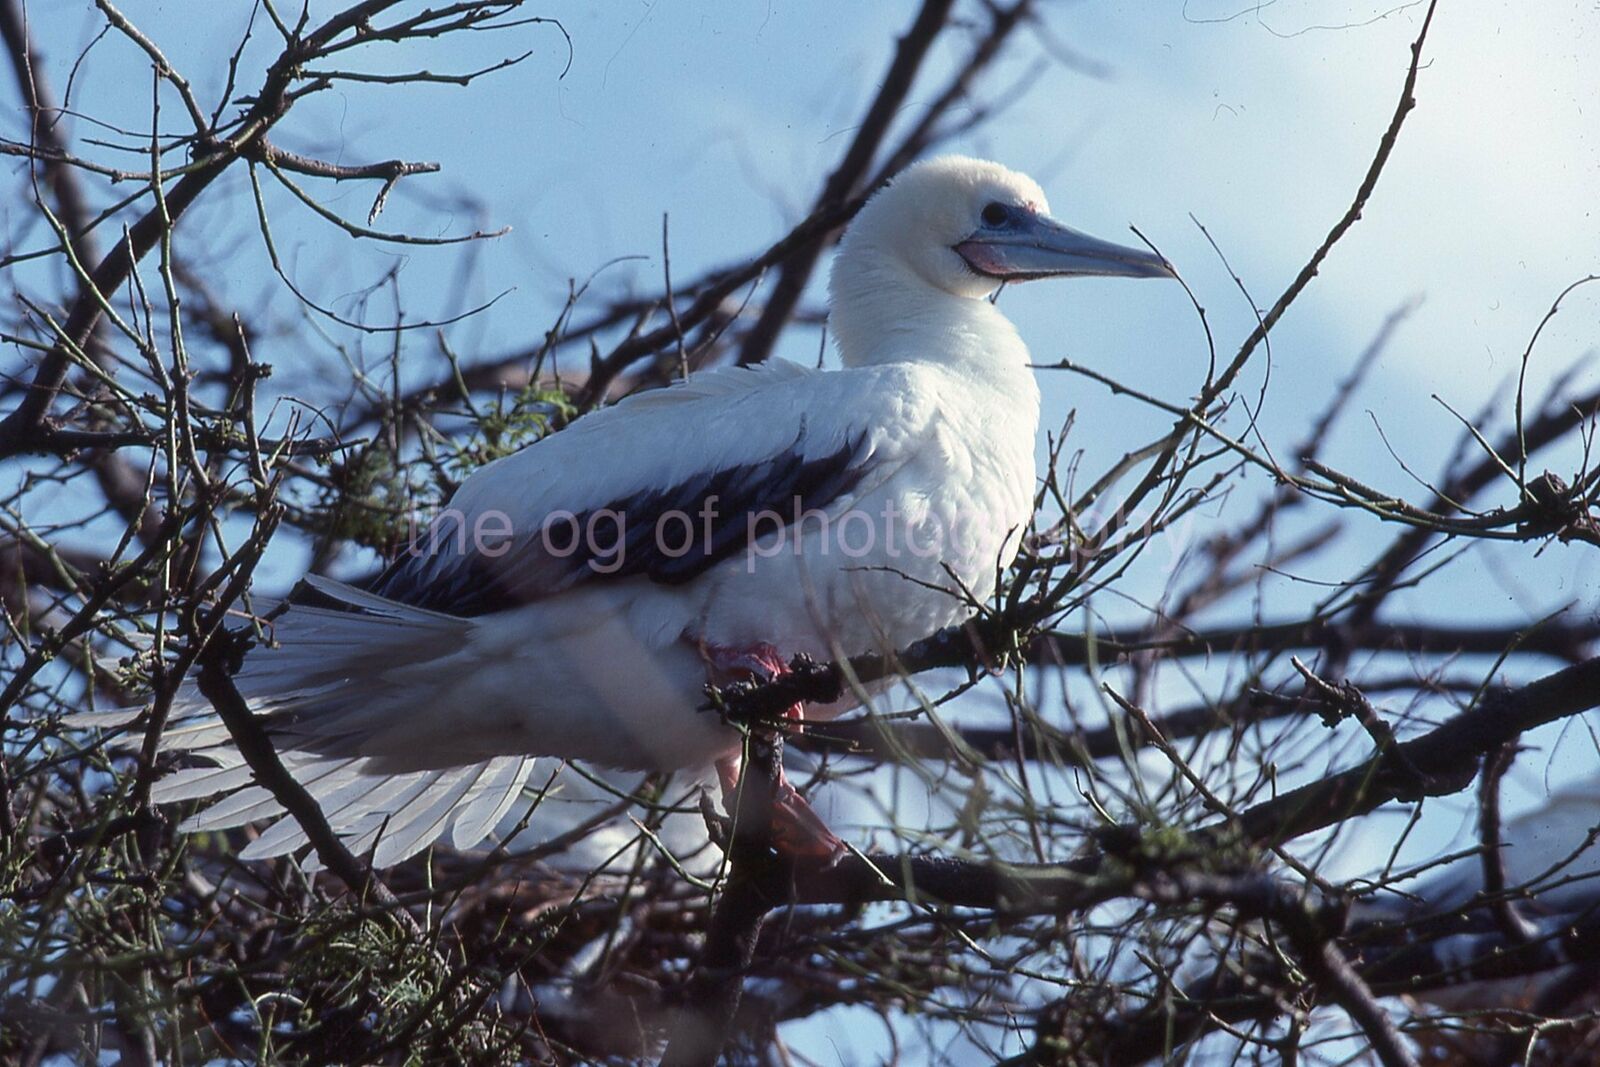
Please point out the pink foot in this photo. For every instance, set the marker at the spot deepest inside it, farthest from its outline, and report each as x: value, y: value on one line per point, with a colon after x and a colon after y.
x: 758, y: 662
x: 737, y: 664
x: 798, y: 832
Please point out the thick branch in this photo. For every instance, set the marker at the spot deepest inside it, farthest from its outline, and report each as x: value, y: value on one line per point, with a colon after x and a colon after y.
x: 980, y: 644
x: 1447, y: 757
x: 755, y: 884
x: 388, y: 170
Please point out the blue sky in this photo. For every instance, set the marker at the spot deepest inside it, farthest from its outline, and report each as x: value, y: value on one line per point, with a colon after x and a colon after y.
x: 1259, y: 124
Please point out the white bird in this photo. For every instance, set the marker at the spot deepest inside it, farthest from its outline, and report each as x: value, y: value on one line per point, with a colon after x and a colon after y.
x: 574, y: 598
x: 1549, y: 858
x: 1549, y: 862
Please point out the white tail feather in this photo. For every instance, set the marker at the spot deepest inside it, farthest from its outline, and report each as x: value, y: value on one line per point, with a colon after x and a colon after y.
x: 483, y: 813
x: 317, y: 688
x: 191, y: 783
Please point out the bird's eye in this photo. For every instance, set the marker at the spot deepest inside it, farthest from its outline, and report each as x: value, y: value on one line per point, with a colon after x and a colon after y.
x: 996, y: 214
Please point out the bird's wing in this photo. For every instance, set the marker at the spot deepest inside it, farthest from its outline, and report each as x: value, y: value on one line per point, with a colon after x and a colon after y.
x: 663, y: 485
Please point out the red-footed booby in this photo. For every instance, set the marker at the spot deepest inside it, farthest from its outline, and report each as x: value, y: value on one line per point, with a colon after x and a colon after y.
x: 575, y: 598
x: 1445, y: 930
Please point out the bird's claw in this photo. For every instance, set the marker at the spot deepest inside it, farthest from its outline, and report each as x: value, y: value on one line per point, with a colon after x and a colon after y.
x: 798, y: 832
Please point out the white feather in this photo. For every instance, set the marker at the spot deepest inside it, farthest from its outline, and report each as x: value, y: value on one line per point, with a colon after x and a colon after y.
x: 194, y: 782
x: 480, y: 815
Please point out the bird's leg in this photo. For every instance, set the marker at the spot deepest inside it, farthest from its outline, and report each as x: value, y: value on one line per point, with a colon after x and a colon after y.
x: 797, y: 831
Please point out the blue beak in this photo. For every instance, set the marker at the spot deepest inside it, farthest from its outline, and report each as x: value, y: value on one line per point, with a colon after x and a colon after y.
x: 1037, y: 246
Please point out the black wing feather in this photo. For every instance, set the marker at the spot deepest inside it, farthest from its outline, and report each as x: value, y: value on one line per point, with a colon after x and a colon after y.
x: 470, y: 583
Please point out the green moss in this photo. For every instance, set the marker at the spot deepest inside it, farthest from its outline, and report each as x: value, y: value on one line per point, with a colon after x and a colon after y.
x: 531, y: 415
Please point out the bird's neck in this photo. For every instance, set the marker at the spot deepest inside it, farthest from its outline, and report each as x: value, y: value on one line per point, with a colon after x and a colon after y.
x: 882, y: 313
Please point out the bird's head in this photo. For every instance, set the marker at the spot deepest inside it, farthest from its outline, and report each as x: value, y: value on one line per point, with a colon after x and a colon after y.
x: 967, y: 225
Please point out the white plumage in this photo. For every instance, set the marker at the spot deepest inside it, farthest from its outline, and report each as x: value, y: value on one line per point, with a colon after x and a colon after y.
x: 1549, y: 857
x: 1550, y: 863
x: 414, y: 709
